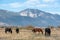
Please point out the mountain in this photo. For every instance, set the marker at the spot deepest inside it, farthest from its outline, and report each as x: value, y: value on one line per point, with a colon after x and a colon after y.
x: 28, y: 16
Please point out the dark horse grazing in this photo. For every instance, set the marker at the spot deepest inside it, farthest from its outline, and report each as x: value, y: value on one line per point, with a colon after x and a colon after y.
x: 47, y: 31
x: 37, y: 30
x: 17, y: 30
x: 8, y: 30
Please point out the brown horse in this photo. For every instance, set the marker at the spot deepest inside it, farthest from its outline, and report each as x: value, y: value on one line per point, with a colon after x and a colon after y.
x: 37, y: 30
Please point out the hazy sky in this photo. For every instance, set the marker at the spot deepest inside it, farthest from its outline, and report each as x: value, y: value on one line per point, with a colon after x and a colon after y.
x: 52, y: 6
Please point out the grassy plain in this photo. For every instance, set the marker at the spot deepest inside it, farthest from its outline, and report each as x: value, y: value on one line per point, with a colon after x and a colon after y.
x: 27, y: 34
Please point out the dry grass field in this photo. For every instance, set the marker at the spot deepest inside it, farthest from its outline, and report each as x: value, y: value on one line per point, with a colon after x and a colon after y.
x: 26, y: 34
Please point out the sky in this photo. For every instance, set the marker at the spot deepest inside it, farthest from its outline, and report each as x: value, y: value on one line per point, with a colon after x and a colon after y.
x: 51, y: 6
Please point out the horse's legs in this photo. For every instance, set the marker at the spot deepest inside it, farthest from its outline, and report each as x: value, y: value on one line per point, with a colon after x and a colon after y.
x: 11, y: 31
x: 5, y: 31
x: 45, y: 33
x: 41, y: 31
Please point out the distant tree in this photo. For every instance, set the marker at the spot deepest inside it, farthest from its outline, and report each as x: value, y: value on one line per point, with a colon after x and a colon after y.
x: 1, y: 26
x: 51, y: 26
x: 30, y: 27
x: 58, y: 26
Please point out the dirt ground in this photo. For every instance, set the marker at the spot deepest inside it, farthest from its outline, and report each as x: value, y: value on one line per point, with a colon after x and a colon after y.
x: 26, y: 34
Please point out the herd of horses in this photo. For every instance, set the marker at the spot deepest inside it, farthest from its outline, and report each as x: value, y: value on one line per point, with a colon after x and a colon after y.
x: 34, y: 30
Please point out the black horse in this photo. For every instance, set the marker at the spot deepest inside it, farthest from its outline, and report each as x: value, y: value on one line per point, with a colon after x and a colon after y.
x: 17, y: 30
x: 8, y: 30
x: 47, y: 31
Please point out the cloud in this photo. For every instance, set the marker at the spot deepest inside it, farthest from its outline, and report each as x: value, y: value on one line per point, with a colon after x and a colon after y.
x: 38, y: 4
x: 51, y: 3
x: 53, y: 12
x: 3, y: 5
x: 28, y: 4
x: 12, y: 5
x: 42, y: 5
x: 15, y: 5
x: 47, y: 1
x: 33, y: 4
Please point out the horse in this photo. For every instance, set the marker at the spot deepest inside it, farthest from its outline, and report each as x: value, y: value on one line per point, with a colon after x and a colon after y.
x: 47, y: 31
x: 37, y: 30
x: 17, y: 30
x: 8, y: 30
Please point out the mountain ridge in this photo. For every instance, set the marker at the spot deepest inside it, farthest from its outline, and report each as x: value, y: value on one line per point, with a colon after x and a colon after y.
x: 32, y: 17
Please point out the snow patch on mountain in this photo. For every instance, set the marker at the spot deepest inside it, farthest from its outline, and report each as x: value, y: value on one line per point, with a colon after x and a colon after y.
x: 32, y: 15
x: 41, y: 14
x: 23, y: 14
